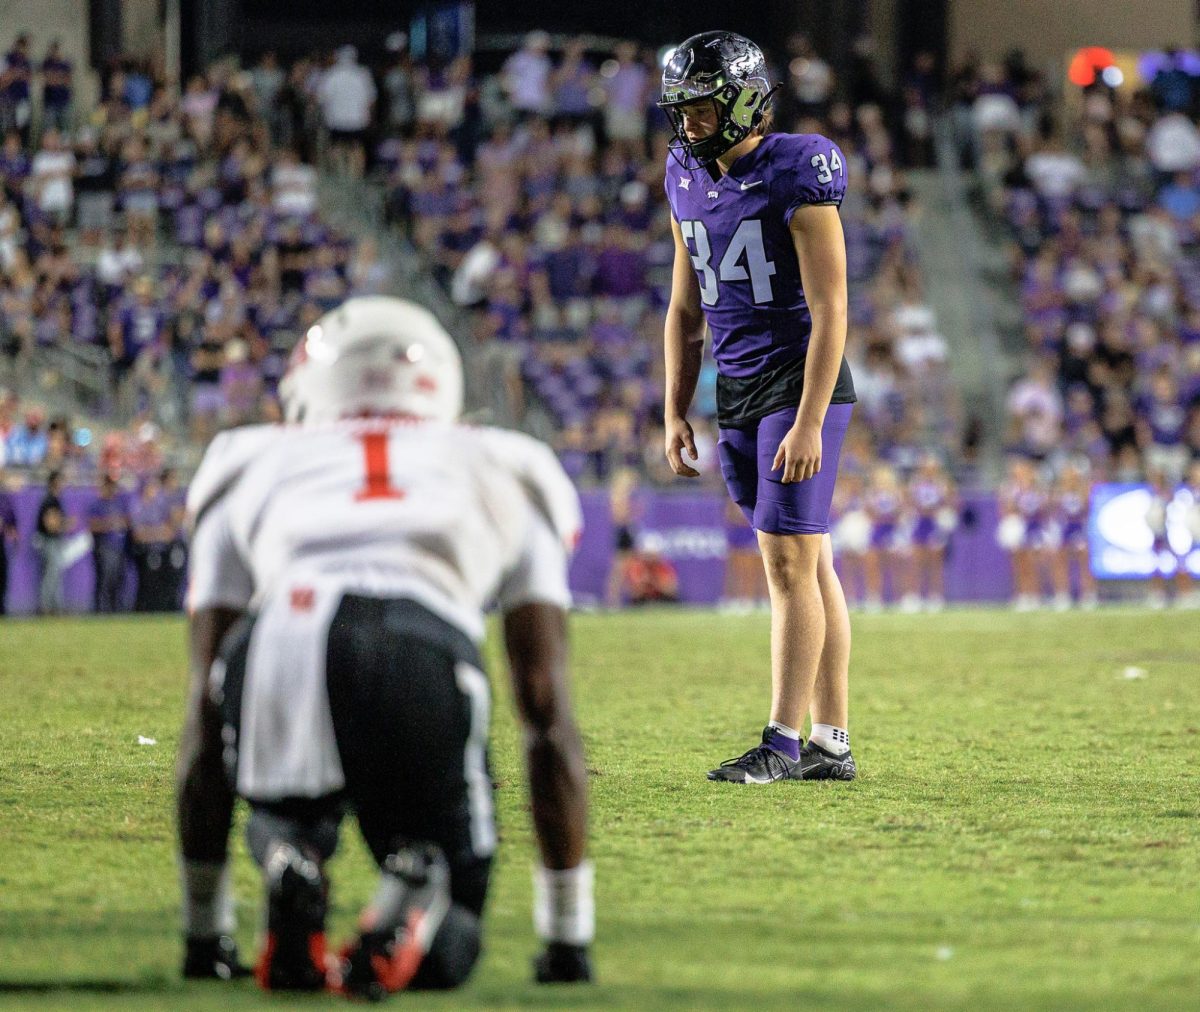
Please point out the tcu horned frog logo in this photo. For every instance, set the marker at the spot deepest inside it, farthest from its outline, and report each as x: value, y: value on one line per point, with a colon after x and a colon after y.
x: 743, y: 65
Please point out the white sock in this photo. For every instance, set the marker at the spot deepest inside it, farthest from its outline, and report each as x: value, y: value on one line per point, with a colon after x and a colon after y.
x: 564, y: 908
x: 830, y: 738
x: 207, y: 899
x: 783, y: 729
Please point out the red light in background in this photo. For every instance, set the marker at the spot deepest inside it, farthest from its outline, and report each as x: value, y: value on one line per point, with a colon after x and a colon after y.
x: 1087, y: 63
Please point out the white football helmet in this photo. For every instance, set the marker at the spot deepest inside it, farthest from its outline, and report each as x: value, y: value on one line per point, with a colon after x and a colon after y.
x: 374, y: 355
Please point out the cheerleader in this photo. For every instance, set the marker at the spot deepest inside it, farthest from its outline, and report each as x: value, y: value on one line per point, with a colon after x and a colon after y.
x: 745, y: 578
x: 850, y: 528
x: 1070, y: 507
x: 1167, y: 559
x: 1025, y: 531
x: 886, y: 556
x: 935, y: 508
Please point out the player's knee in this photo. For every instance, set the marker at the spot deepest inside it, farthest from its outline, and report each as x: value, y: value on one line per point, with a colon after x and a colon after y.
x: 790, y: 564
x: 453, y: 954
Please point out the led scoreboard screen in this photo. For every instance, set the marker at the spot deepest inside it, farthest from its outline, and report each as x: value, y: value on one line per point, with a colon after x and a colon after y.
x: 1121, y: 541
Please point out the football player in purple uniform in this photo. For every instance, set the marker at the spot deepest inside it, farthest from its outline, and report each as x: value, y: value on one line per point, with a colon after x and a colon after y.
x: 760, y: 257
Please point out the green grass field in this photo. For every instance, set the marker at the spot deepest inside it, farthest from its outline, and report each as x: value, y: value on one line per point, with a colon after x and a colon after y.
x: 1025, y: 832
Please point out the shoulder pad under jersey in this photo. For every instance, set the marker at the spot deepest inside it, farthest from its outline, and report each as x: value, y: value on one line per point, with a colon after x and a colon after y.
x: 536, y: 468
x: 225, y: 461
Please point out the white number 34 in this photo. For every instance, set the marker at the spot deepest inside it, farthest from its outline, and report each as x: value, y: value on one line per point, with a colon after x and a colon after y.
x: 826, y: 167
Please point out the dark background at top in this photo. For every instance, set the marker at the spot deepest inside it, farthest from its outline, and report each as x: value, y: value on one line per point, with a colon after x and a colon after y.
x: 298, y: 27
x: 650, y: 22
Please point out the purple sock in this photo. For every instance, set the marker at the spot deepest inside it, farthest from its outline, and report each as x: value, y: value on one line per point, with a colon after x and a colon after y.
x: 780, y: 742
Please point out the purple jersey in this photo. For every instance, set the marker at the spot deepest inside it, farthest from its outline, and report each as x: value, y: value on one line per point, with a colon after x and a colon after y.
x: 1032, y: 505
x: 1166, y: 419
x: 1072, y: 510
x: 885, y: 508
x: 104, y: 510
x: 928, y: 497
x: 736, y: 231
x: 141, y: 326
x: 153, y: 512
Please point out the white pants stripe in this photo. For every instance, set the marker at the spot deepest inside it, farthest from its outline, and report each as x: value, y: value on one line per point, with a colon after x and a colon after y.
x: 474, y: 685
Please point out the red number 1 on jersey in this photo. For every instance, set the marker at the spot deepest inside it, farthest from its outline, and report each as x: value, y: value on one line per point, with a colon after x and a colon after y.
x: 375, y: 457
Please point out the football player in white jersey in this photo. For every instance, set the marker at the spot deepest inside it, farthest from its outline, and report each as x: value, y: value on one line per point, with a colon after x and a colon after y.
x: 340, y: 567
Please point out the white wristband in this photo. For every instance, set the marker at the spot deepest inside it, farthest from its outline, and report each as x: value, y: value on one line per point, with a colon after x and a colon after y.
x: 564, y: 909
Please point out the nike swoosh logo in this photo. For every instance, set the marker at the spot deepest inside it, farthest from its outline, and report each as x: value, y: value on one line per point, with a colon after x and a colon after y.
x: 757, y: 182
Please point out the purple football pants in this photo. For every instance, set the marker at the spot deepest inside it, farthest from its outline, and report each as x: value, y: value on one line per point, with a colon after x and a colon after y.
x: 799, y: 507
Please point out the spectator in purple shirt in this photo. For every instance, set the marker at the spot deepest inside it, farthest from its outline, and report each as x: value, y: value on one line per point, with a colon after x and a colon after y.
x: 626, y: 80
x: 176, y: 499
x: 108, y: 520
x: 1161, y: 425
x: 620, y: 268
x: 571, y: 85
x: 14, y: 164
x: 15, y: 109
x: 56, y: 89
x: 150, y: 519
x: 137, y: 327
x: 241, y: 383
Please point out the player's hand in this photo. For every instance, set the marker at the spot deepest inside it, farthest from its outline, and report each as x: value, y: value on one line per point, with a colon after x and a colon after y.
x: 563, y: 964
x: 799, y: 454
x: 679, y: 438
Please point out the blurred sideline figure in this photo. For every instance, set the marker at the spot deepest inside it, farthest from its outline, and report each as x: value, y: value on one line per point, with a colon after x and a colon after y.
x: 1071, y: 493
x: 1169, y: 560
x: 851, y: 535
x: 745, y: 588
x: 934, y: 502
x: 648, y: 578
x: 887, y: 556
x: 1026, y: 532
x: 623, y: 512
x: 340, y: 568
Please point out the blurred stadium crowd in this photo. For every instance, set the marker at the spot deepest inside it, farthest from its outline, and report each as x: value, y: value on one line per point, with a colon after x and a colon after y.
x: 175, y: 233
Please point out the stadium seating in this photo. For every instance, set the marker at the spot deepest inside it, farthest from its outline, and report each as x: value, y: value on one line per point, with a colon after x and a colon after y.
x: 1101, y: 204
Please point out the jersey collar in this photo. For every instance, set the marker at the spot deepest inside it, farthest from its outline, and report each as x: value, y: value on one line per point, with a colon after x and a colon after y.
x: 747, y: 163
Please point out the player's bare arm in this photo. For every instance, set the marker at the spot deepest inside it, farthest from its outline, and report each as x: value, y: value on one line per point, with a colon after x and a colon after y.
x: 821, y: 251
x: 204, y: 799
x: 683, y: 346
x: 535, y: 637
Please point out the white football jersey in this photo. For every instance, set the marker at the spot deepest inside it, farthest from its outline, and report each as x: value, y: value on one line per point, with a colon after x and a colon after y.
x: 453, y: 516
